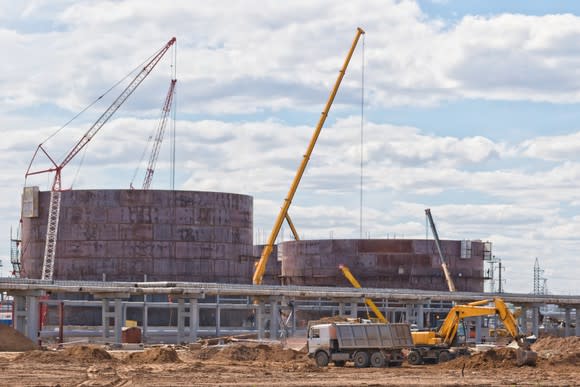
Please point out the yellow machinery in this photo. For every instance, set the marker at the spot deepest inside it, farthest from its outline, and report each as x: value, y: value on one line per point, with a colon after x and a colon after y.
x: 368, y: 301
x: 437, y: 346
x: 261, y: 265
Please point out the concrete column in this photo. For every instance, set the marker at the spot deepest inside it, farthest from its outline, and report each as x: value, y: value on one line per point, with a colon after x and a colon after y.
x: 478, y: 321
x: 293, y: 331
x: 420, y: 316
x: 354, y: 309
x: 568, y: 321
x: 118, y: 320
x: 577, y: 321
x: 193, y: 319
x: 408, y: 313
x: 522, y: 320
x: 105, y: 317
x: 260, y: 320
x: 218, y: 318
x: 535, y: 320
x: 33, y: 318
x: 180, y: 320
x: 341, y: 308
x: 274, y: 319
x: 20, y: 314
x: 145, y: 321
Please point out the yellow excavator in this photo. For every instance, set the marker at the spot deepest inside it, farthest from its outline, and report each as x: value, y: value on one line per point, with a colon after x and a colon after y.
x: 441, y: 345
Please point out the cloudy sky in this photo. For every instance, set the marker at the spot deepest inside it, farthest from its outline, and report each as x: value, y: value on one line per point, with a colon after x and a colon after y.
x: 471, y: 108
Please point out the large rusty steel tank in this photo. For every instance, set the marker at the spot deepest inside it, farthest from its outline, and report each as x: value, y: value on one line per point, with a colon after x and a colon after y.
x: 383, y: 263
x: 136, y: 235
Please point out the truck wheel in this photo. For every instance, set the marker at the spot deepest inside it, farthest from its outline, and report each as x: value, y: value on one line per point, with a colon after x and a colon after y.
x: 322, y: 359
x: 444, y: 356
x: 339, y: 363
x: 414, y: 358
x: 361, y: 359
x: 377, y: 359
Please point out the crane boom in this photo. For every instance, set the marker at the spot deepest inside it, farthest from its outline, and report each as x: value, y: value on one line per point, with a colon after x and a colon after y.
x: 55, y: 194
x: 446, y: 272
x: 117, y: 103
x: 261, y: 265
x: 159, y: 136
x: 349, y: 276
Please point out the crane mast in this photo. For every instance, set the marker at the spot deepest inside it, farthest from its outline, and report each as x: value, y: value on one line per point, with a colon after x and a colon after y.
x: 446, y: 272
x: 55, y: 194
x: 159, y: 135
x: 261, y: 265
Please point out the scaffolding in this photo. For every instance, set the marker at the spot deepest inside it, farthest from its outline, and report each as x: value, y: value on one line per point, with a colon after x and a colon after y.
x: 15, y: 254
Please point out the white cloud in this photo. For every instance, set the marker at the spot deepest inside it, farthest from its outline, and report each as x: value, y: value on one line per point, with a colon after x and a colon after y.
x: 250, y: 76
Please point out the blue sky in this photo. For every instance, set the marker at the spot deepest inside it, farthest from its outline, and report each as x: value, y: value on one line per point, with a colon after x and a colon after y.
x: 471, y: 109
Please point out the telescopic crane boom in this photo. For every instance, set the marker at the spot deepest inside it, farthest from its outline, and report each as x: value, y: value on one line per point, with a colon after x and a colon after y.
x: 351, y: 278
x: 55, y: 194
x: 261, y: 266
x: 448, y: 278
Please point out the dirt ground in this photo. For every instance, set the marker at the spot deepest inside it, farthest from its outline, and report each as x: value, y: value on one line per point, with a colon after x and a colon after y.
x: 268, y: 364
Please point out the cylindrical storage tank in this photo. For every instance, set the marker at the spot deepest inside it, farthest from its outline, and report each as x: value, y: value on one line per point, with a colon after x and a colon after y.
x: 133, y: 235
x: 381, y: 263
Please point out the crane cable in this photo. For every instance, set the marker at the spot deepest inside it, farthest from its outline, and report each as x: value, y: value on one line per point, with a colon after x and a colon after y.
x: 174, y: 118
x: 362, y: 103
x: 140, y: 66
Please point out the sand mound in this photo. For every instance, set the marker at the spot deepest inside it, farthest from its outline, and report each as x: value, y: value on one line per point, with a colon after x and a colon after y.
x: 74, y: 354
x: 251, y: 352
x: 86, y: 353
x: 558, y: 350
x: 14, y: 341
x: 493, y: 358
x: 154, y: 355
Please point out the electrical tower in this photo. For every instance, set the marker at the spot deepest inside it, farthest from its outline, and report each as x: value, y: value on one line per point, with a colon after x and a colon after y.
x: 540, y: 286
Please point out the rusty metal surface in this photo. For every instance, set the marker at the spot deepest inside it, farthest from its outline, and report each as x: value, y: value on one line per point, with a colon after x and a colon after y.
x: 380, y: 263
x: 127, y: 234
x: 273, y: 268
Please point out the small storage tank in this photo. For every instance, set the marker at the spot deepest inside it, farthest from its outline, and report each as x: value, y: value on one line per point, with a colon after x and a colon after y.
x: 133, y: 235
x: 383, y: 263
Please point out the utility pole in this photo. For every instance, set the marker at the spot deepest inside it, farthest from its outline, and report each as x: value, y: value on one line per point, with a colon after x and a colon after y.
x: 500, y: 268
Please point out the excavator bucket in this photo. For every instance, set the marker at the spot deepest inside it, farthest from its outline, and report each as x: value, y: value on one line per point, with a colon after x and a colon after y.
x: 526, y: 357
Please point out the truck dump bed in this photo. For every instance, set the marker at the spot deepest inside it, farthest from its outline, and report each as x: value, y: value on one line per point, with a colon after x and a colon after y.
x: 387, y: 336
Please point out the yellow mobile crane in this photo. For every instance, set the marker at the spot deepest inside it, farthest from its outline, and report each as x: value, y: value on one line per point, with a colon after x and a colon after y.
x: 261, y: 265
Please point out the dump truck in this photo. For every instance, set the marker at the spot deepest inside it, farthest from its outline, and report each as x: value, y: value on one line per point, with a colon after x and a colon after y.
x: 365, y: 344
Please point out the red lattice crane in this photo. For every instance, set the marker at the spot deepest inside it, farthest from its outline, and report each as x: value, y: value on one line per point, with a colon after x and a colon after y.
x: 159, y: 135
x: 56, y: 190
